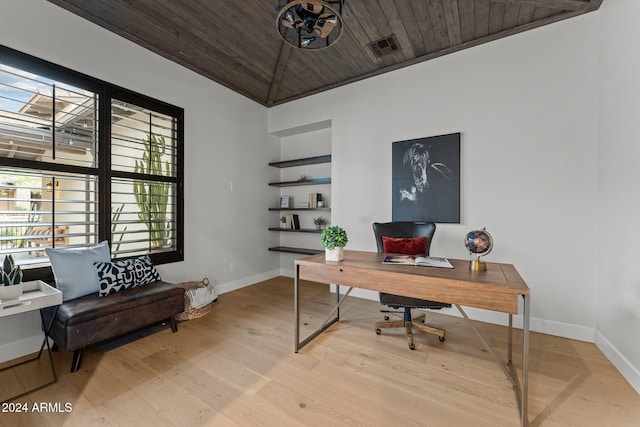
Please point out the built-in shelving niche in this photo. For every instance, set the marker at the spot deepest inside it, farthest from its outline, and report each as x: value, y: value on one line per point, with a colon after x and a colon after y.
x: 301, y: 133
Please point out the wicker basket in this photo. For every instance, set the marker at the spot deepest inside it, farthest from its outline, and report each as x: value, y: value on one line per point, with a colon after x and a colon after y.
x: 189, y: 312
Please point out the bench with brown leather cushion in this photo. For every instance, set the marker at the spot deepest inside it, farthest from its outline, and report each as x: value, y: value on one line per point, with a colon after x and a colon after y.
x: 92, y: 319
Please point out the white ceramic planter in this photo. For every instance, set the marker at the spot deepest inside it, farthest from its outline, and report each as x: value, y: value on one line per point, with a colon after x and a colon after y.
x: 8, y: 293
x: 335, y: 254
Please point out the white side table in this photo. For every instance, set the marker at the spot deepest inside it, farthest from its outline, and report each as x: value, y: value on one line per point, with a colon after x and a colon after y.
x: 37, y: 295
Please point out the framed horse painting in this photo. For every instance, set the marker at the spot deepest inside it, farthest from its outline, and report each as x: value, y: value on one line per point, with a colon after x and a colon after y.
x: 426, y: 179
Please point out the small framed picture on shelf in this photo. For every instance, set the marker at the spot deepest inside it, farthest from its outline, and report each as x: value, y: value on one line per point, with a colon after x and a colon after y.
x: 285, y: 201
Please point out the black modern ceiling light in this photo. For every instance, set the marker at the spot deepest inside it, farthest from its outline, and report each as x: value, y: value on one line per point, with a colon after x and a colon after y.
x: 309, y: 25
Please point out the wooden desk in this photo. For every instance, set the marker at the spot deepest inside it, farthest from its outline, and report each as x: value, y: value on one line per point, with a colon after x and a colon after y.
x: 496, y: 289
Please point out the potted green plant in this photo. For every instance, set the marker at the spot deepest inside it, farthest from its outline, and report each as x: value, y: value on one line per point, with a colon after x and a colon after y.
x: 333, y: 240
x: 320, y: 222
x: 11, y: 285
x: 283, y: 221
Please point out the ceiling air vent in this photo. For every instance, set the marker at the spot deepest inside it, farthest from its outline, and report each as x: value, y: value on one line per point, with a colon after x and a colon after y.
x: 384, y: 46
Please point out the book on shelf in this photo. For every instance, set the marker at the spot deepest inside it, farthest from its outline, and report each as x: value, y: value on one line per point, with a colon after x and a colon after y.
x: 302, y: 205
x: 292, y: 222
x: 316, y: 200
x: 416, y: 260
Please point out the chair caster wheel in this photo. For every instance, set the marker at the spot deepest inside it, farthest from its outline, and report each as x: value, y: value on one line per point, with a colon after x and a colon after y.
x: 386, y: 317
x: 378, y: 331
x: 412, y: 346
x: 441, y: 339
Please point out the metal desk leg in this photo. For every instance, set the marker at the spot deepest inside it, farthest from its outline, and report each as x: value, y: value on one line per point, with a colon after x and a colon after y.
x: 296, y: 308
x: 522, y: 391
x: 510, y: 375
x: 510, y: 340
x: 525, y: 361
x: 333, y: 317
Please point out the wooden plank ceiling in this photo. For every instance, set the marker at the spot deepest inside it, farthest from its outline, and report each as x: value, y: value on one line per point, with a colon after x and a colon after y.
x: 236, y: 44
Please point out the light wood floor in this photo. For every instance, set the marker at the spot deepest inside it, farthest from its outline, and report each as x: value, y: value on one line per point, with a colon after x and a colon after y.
x: 236, y: 367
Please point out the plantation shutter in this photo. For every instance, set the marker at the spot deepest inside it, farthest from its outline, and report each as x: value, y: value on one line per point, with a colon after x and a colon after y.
x: 144, y: 181
x: 48, y: 166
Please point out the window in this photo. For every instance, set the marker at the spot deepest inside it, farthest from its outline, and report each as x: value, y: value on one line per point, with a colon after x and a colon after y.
x: 83, y: 161
x: 144, y: 164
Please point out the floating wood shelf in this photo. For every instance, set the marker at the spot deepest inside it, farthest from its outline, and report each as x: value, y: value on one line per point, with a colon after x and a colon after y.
x: 299, y: 209
x: 291, y: 250
x: 316, y: 181
x: 302, y: 162
x: 296, y: 230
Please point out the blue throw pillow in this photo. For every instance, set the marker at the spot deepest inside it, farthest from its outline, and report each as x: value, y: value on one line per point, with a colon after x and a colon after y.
x: 74, y: 271
x: 124, y: 274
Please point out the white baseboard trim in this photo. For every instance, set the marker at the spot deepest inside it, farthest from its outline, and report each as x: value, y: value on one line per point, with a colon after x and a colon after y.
x: 246, y: 281
x: 622, y: 364
x: 20, y: 348
x: 286, y: 272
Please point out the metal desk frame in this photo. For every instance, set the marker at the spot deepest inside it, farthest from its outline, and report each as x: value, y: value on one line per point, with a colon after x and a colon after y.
x: 359, y: 268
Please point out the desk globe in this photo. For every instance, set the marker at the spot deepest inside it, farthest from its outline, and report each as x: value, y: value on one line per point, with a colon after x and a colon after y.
x: 478, y: 243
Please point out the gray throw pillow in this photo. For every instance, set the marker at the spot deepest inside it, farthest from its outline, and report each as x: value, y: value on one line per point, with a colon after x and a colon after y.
x: 74, y: 271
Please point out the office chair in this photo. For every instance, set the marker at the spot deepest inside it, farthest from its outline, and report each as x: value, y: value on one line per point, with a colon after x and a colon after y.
x: 407, y: 230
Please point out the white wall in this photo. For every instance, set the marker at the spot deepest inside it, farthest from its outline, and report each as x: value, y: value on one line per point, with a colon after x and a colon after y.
x: 225, y: 141
x: 618, y: 290
x: 527, y: 110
